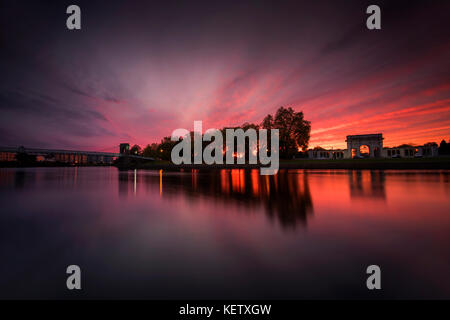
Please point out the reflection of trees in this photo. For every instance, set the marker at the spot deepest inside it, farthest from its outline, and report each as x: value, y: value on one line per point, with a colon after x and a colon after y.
x: 367, y: 184
x: 291, y: 202
x: 124, y: 179
x: 285, y: 197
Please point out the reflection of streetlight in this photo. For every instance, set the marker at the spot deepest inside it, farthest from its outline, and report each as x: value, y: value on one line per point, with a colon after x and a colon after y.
x: 160, y: 182
x: 135, y: 171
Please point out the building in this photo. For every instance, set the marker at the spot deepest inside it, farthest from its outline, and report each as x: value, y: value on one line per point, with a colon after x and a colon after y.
x: 327, y: 154
x: 7, y: 156
x: 371, y: 146
x: 74, y: 157
x: 407, y: 151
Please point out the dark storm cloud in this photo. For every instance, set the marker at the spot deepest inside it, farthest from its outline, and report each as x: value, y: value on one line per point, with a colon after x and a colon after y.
x: 139, y: 69
x: 39, y: 105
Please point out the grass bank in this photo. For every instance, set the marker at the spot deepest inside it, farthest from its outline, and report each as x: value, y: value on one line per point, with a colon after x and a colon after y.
x: 439, y: 163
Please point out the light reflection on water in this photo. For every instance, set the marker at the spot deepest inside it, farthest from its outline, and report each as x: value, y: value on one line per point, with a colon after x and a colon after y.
x: 224, y: 233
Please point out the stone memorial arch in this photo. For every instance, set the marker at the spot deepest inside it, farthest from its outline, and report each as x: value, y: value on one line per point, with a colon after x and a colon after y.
x: 373, y: 141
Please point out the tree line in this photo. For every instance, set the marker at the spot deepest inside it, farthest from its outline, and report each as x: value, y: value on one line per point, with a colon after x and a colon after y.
x: 444, y: 147
x: 294, y: 135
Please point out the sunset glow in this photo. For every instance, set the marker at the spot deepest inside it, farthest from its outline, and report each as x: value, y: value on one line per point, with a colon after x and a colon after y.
x: 141, y: 73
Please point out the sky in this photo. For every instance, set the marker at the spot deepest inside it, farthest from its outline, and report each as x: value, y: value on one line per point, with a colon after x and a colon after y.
x: 137, y: 70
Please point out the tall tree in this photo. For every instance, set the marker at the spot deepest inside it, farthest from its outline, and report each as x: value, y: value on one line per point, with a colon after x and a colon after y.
x: 293, y: 128
x: 267, y: 123
x: 151, y: 151
x: 135, y: 150
x: 444, y: 147
x: 165, y: 148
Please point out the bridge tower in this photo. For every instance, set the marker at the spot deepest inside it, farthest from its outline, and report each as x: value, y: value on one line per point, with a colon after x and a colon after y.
x: 124, y: 148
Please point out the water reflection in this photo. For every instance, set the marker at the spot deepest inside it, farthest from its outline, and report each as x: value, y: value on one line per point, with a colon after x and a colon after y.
x: 367, y: 184
x: 20, y: 179
x: 229, y: 234
x: 124, y: 181
x: 286, y: 197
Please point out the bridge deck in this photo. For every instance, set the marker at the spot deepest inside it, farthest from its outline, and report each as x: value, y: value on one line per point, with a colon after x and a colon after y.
x: 38, y: 151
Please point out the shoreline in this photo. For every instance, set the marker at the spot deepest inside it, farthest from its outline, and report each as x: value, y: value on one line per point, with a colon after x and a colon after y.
x: 350, y: 164
x: 13, y: 164
x: 438, y: 163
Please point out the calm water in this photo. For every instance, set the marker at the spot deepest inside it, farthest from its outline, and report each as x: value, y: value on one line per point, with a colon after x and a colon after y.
x: 224, y: 234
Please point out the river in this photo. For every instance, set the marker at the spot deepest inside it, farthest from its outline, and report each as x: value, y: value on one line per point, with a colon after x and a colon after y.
x: 224, y: 234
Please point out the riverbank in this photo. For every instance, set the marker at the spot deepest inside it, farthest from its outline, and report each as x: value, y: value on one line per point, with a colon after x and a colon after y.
x: 440, y: 163
x: 43, y: 164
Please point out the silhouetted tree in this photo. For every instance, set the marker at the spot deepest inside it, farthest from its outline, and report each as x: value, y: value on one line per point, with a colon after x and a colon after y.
x: 151, y: 151
x: 165, y: 148
x: 293, y: 128
x: 444, y: 147
x: 267, y: 123
x: 135, y: 150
